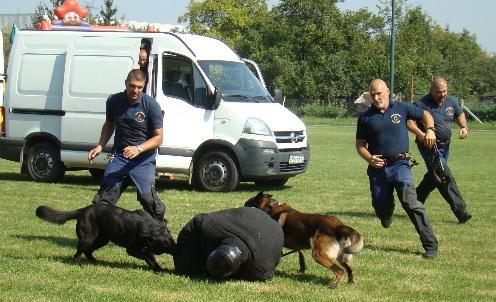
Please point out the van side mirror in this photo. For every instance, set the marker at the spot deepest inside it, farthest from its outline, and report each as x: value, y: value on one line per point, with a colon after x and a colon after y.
x: 213, y: 99
x: 278, y: 97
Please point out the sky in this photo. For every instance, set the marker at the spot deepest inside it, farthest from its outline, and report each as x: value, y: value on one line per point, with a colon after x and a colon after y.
x: 475, y: 15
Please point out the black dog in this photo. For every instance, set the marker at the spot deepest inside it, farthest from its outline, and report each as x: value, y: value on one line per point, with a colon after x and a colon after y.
x: 97, y: 224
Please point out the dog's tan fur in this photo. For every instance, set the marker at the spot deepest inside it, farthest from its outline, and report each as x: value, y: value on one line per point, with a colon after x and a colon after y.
x: 332, y: 243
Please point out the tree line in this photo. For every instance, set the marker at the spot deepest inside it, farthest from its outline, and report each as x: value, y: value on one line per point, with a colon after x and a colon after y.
x: 320, y: 55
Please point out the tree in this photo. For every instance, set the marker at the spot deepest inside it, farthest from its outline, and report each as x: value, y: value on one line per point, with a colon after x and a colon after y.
x: 45, y: 12
x: 107, y: 14
x: 316, y: 53
x: 6, y: 45
x: 237, y: 22
x: 90, y: 8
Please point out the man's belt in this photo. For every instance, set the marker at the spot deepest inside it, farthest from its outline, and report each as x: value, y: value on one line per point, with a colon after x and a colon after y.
x: 392, y: 159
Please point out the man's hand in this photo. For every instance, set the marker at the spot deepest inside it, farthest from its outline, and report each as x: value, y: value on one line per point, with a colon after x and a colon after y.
x: 463, y: 133
x: 429, y: 138
x: 94, y: 153
x: 376, y: 161
x: 130, y: 152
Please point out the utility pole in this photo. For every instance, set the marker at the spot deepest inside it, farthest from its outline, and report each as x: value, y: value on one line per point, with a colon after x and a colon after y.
x: 391, y: 52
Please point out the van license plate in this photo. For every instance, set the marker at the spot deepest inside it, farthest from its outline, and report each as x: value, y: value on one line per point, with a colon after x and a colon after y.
x: 296, y: 159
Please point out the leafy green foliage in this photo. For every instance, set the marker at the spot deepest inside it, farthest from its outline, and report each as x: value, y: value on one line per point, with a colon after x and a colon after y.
x: 319, y: 54
x: 322, y: 111
x: 45, y: 11
x: 107, y: 14
x: 484, y: 111
x: 6, y: 45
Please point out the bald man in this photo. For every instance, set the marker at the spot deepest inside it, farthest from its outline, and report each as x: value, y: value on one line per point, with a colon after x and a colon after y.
x: 444, y: 109
x: 382, y: 140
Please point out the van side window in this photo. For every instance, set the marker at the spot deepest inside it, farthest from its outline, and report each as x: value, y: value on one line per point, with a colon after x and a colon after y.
x: 182, y: 80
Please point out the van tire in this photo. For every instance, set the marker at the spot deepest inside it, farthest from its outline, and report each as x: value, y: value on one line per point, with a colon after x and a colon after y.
x: 272, y: 182
x: 43, y: 163
x: 216, y: 172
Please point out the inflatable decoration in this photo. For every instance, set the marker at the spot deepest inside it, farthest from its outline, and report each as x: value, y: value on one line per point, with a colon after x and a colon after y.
x: 70, y: 15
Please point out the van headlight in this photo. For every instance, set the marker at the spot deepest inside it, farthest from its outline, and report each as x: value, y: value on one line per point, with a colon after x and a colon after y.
x: 256, y: 126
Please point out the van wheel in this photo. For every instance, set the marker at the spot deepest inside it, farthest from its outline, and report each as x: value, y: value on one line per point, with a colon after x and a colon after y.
x: 272, y: 182
x: 216, y: 172
x: 44, y: 163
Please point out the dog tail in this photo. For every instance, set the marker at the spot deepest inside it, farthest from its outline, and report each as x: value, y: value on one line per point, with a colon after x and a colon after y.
x: 353, y: 241
x: 55, y: 216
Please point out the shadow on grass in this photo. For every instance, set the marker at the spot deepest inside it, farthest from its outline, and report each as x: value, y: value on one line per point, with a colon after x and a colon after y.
x: 111, y: 264
x: 160, y: 184
x: 404, y: 251
x: 183, y: 185
x: 305, y: 277
x: 361, y: 214
x: 80, y: 180
x: 61, y: 241
x: 11, y: 176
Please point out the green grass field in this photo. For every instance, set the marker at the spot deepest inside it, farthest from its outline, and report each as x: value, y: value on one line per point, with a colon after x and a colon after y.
x: 35, y: 256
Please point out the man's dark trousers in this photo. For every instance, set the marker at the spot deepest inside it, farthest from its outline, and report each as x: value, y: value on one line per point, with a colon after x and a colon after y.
x: 120, y: 172
x: 449, y: 190
x: 398, y: 176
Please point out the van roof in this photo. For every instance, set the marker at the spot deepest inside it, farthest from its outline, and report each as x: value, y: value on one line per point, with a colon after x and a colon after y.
x: 206, y: 48
x: 202, y: 47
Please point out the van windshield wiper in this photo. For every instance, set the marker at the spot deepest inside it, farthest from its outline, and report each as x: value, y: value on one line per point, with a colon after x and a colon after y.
x: 242, y: 96
x: 263, y: 99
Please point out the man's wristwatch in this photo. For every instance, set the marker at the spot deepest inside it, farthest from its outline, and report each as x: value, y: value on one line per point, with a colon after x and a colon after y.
x: 140, y: 149
x: 464, y: 127
x: 431, y: 128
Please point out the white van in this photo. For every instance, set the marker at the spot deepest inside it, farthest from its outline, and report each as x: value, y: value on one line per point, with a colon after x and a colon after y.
x: 221, y: 126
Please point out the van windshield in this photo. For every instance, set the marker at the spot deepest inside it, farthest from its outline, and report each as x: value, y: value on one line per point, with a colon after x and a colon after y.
x: 236, y: 82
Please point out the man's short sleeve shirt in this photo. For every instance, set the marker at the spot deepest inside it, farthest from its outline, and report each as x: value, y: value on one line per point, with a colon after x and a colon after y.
x: 386, y: 133
x: 443, y: 115
x: 134, y: 123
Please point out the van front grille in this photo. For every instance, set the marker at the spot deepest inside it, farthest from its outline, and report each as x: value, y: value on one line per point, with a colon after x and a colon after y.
x: 289, y: 136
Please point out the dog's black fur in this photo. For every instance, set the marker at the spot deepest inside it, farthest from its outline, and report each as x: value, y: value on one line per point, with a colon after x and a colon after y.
x: 97, y: 224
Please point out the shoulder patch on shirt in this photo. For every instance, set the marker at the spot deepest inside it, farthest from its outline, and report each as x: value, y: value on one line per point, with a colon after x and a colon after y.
x: 396, y: 118
x: 139, y: 116
x: 450, y: 111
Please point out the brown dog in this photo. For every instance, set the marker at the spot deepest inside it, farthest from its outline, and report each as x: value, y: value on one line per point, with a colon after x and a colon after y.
x: 333, y: 243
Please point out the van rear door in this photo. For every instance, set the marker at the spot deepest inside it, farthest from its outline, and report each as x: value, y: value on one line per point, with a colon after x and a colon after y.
x: 2, y: 73
x: 96, y: 67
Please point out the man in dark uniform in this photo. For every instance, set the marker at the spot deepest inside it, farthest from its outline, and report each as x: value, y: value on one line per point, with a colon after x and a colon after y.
x: 444, y: 109
x: 137, y: 121
x: 243, y: 243
x: 143, y: 64
x: 382, y: 140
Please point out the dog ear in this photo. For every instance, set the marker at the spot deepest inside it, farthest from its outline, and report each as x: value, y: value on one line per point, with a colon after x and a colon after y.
x: 265, y: 203
x: 260, y: 195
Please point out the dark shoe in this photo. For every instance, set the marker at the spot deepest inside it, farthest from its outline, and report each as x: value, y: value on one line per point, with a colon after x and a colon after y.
x: 464, y: 217
x: 430, y: 254
x: 386, y: 223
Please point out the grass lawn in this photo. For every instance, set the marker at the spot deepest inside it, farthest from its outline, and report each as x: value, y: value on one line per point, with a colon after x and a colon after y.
x: 35, y: 256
